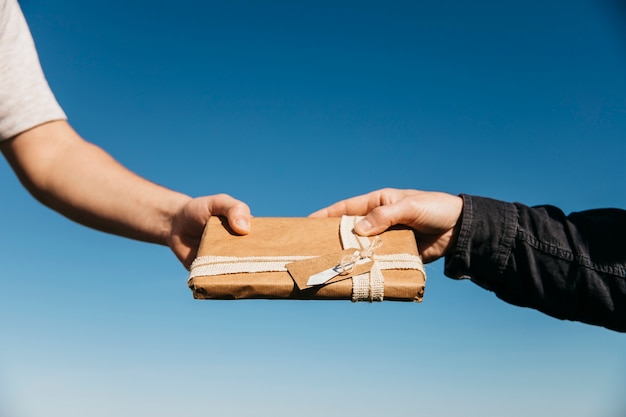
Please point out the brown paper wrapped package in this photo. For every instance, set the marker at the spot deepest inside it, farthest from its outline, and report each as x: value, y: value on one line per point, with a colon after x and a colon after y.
x: 296, y: 237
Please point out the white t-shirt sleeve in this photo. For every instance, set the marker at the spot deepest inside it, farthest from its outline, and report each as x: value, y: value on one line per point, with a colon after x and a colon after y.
x: 26, y: 100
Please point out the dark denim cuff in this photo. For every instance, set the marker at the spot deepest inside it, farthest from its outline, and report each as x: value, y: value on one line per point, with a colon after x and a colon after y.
x: 485, y: 240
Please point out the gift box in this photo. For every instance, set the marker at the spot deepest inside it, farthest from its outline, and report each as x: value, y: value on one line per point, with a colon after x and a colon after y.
x: 306, y: 258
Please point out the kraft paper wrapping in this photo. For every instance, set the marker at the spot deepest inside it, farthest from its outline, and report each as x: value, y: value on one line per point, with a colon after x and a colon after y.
x: 289, y: 238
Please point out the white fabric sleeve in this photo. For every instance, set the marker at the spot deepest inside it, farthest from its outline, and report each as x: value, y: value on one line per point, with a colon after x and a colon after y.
x: 25, y: 96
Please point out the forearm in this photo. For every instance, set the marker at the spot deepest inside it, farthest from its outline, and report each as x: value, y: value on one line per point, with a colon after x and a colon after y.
x: 85, y: 184
x: 570, y: 267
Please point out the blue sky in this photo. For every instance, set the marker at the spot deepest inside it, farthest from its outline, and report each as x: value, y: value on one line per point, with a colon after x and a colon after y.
x: 291, y: 106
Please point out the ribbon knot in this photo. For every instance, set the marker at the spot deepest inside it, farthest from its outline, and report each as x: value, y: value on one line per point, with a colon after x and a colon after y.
x: 349, y: 262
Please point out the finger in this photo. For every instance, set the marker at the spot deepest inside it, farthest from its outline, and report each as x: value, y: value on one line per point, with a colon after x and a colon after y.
x: 375, y: 222
x: 383, y: 217
x: 236, y: 212
x: 239, y: 218
x: 320, y: 213
x: 355, y: 206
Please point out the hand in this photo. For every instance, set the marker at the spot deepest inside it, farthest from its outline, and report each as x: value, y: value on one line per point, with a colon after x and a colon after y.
x: 433, y: 216
x: 188, y: 223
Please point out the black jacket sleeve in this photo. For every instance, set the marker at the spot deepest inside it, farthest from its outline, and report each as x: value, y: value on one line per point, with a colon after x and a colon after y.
x: 570, y: 267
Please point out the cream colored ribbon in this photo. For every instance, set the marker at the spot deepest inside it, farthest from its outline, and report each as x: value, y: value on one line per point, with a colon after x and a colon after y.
x: 208, y: 266
x: 369, y: 286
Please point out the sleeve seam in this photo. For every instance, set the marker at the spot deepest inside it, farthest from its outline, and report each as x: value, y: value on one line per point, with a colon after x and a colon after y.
x: 556, y: 251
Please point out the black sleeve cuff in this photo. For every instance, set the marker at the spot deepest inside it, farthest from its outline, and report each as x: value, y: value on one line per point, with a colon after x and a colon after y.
x: 485, y: 240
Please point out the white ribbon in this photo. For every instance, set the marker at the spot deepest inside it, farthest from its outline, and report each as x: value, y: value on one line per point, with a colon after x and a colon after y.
x: 369, y: 286
x: 208, y: 266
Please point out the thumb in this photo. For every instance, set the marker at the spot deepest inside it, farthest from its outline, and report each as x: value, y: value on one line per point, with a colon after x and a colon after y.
x: 239, y: 218
x: 376, y: 222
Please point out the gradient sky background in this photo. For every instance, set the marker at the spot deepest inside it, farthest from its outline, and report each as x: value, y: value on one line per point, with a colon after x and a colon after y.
x: 291, y: 106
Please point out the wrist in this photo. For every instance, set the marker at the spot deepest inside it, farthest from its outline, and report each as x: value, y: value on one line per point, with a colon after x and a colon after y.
x: 172, y: 209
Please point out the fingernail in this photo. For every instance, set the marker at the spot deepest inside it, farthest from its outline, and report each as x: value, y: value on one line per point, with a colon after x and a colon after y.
x: 242, y: 224
x: 363, y: 227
